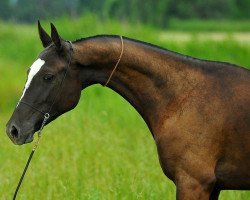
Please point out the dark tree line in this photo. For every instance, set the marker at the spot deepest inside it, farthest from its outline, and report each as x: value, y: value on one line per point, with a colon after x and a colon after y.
x: 156, y: 12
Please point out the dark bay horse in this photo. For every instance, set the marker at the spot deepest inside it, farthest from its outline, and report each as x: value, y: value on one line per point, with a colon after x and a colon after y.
x: 197, y: 111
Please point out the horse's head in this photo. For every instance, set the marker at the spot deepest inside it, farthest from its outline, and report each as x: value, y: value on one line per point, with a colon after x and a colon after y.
x: 52, y: 86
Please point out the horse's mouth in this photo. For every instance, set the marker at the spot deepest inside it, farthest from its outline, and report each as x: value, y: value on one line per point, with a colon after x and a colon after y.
x: 29, y: 139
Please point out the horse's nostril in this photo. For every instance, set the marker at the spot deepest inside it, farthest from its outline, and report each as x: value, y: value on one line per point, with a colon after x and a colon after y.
x: 14, y: 132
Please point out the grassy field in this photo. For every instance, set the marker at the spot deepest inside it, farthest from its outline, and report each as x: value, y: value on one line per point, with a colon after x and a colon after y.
x: 102, y: 149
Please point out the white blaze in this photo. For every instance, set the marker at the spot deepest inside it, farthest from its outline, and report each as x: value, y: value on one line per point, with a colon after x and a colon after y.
x: 36, y: 66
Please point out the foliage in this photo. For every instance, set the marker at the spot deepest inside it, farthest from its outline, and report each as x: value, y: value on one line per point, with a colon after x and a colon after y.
x: 157, y: 13
x: 102, y: 149
x: 209, y: 25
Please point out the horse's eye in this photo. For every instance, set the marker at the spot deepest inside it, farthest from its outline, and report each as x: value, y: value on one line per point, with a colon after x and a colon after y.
x: 48, y: 77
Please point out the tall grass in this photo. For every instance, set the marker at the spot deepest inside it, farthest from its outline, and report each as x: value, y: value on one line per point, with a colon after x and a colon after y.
x: 102, y: 149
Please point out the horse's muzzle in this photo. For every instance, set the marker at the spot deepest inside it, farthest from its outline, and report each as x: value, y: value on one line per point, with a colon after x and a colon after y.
x: 15, y: 134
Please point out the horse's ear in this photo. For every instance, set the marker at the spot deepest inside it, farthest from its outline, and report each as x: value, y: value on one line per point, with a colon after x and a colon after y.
x: 56, y: 37
x: 45, y: 38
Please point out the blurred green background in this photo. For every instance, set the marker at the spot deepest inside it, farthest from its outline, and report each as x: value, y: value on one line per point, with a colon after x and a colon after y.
x: 103, y: 149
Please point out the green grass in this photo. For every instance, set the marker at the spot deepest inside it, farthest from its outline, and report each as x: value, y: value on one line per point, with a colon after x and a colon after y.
x: 102, y: 149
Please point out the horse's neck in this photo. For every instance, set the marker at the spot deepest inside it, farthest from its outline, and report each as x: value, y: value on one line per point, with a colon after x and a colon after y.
x: 147, y: 77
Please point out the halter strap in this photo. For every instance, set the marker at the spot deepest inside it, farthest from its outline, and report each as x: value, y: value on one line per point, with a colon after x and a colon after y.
x: 34, y: 108
x: 64, y: 77
x: 116, y: 65
x: 60, y: 86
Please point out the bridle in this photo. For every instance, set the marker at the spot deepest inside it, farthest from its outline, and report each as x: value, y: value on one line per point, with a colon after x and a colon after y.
x: 48, y: 114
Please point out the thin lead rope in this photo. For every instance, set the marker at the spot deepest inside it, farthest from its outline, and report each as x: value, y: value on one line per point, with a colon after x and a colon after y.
x: 113, y: 71
x: 46, y: 117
